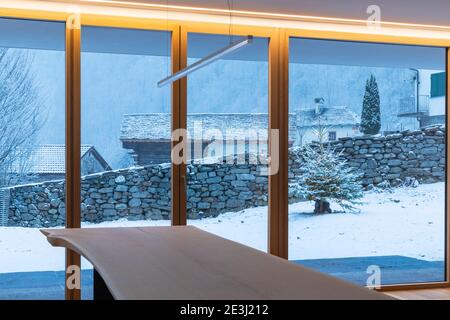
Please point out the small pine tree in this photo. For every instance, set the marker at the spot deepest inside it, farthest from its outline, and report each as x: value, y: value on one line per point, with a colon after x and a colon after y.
x: 327, y: 177
x: 371, y: 115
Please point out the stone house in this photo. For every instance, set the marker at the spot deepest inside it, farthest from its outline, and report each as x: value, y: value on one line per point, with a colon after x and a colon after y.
x: 47, y: 162
x: 148, y: 136
x: 337, y: 122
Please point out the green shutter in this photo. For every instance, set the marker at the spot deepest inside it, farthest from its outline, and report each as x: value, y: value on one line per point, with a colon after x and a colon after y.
x: 438, y: 85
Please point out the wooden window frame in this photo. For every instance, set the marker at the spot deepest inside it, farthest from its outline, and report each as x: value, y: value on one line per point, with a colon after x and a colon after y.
x: 278, y: 112
x: 400, y: 40
x: 73, y: 143
x: 278, y: 191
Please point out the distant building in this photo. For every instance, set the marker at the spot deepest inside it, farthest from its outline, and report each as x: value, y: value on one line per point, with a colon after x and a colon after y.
x: 427, y: 106
x: 337, y: 122
x: 47, y: 162
x: 148, y: 136
x: 437, y: 103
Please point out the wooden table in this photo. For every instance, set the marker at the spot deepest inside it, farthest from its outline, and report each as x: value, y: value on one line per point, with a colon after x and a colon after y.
x: 184, y: 262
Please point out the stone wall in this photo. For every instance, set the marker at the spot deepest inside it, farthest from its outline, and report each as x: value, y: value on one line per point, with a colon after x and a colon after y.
x: 213, y: 188
x: 141, y: 193
x: 419, y: 154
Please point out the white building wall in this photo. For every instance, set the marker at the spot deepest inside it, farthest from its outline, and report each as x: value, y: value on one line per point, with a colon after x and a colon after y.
x: 425, y: 81
x: 216, y: 148
x: 304, y: 136
x: 309, y: 134
x: 437, y: 104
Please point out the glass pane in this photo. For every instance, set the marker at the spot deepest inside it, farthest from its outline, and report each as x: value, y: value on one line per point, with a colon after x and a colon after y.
x: 227, y: 124
x: 32, y: 162
x: 367, y: 161
x: 126, y: 129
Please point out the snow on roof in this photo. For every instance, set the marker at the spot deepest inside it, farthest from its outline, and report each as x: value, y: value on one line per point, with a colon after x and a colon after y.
x: 328, y: 116
x: 157, y: 126
x: 50, y: 159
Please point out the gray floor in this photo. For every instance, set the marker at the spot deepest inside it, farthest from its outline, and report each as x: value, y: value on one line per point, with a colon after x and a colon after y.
x: 48, y: 285
x: 394, y: 269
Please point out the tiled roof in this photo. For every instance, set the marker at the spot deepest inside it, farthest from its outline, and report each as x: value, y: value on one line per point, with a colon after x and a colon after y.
x: 328, y: 116
x: 157, y: 126
x: 50, y: 159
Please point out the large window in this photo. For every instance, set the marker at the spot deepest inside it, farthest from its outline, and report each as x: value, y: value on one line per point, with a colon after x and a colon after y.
x: 32, y: 157
x: 125, y: 128
x: 367, y: 161
x: 227, y: 122
x: 367, y: 149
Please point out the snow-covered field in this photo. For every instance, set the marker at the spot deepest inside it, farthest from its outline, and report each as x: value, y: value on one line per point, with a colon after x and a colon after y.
x: 407, y: 222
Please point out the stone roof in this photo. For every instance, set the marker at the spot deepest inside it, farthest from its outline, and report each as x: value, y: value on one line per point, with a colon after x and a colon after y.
x: 157, y: 126
x: 328, y: 116
x: 50, y: 159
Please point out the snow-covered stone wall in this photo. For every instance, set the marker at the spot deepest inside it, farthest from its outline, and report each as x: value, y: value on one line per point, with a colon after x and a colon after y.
x: 214, y: 188
x: 418, y: 154
x: 141, y: 193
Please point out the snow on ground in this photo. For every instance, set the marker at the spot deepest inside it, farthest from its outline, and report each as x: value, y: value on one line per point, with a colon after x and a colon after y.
x: 406, y: 221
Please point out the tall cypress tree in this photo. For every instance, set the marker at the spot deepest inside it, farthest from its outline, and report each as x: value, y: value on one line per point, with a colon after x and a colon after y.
x: 371, y: 115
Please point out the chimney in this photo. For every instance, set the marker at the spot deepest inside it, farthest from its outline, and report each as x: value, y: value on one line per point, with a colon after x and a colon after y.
x: 319, y: 102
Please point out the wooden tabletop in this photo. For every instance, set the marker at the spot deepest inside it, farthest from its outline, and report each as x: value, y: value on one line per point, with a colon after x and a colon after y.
x: 184, y: 262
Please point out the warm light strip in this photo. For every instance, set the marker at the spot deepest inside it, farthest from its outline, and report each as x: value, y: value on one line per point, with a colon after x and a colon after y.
x: 363, y: 32
x: 233, y: 47
x: 260, y: 14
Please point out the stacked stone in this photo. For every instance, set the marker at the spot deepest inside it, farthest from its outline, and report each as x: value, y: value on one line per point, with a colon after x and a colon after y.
x: 40, y: 205
x: 390, y: 159
x: 140, y: 193
x: 136, y: 194
x: 213, y: 189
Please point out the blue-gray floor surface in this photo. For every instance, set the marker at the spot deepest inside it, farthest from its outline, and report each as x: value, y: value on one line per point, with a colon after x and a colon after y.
x: 44, y: 285
x: 49, y: 285
x: 394, y: 269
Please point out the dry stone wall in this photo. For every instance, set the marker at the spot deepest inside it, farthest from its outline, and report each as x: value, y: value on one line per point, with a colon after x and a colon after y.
x: 214, y: 188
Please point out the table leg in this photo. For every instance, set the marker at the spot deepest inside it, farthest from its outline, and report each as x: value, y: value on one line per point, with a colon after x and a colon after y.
x: 101, y: 291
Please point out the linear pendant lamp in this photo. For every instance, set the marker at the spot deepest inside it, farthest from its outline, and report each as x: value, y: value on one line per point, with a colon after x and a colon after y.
x: 234, y: 46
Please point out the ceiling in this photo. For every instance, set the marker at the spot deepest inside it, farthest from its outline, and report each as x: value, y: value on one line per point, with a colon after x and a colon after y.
x: 435, y: 12
x: 51, y: 36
